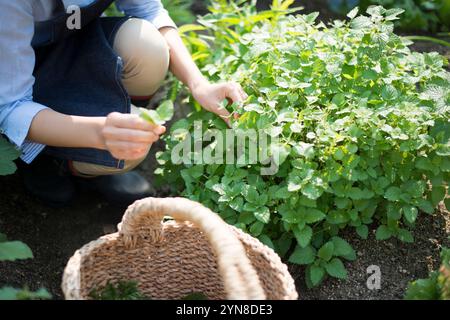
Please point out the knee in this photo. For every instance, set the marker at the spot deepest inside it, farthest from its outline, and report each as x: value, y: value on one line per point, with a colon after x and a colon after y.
x: 84, y: 169
x: 145, y: 53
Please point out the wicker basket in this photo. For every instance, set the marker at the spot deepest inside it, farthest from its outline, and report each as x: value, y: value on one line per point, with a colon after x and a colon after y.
x: 195, y: 252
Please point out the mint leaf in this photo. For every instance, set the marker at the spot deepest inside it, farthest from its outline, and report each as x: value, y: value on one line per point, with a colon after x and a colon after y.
x: 14, y: 250
x: 326, y: 251
x: 303, y: 255
x: 383, y: 233
x: 336, y: 269
x: 303, y: 236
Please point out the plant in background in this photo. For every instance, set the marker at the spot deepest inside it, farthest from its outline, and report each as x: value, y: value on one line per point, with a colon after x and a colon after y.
x: 436, y: 286
x: 179, y: 10
x: 123, y: 290
x: 129, y: 290
x: 363, y: 127
x: 420, y: 15
x: 14, y: 250
x: 7, y: 156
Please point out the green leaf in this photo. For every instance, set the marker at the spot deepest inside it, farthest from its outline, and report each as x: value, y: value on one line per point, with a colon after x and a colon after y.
x: 303, y: 255
x: 251, y: 194
x: 423, y: 289
x: 165, y: 110
x: 159, y: 116
x: 383, y: 233
x: 437, y: 195
x: 316, y: 274
x: 336, y: 269
x: 314, y: 215
x: 352, y: 14
x: 303, y: 236
x: 360, y: 22
x: 326, y: 251
x: 393, y: 193
x: 283, y: 244
x: 342, y: 203
x: 262, y: 214
x: 311, y: 191
x: 195, y: 296
x: 424, y: 164
x: 267, y: 241
x: 256, y: 228
x: 447, y: 203
x: 14, y: 250
x: 342, y: 248
x: 279, y: 152
x: 282, y: 193
x: 389, y: 92
x: 392, y: 14
x: 405, y: 236
x: 151, y: 116
x: 7, y: 155
x: 426, y: 206
x: 362, y: 231
x: 237, y: 204
x: 410, y: 213
x: 8, y: 293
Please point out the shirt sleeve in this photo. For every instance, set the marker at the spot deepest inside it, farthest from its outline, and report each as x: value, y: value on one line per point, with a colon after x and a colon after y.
x: 17, y: 60
x: 151, y: 10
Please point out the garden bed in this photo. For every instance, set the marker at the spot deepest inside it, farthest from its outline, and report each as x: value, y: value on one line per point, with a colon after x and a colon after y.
x: 54, y: 235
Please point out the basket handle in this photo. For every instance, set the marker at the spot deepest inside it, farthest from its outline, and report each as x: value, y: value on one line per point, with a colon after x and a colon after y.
x: 144, y: 218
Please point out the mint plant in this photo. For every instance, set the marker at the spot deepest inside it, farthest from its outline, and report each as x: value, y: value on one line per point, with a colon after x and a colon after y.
x: 129, y: 290
x: 7, y: 156
x: 14, y: 250
x: 362, y: 121
x: 436, y: 286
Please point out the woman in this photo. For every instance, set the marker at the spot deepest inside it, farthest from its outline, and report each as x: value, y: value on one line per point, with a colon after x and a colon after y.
x: 66, y: 87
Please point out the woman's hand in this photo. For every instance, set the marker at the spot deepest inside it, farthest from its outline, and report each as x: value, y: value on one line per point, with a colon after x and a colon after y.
x: 128, y: 137
x: 210, y: 96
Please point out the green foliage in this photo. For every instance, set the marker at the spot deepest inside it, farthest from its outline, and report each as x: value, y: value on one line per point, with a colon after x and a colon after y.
x: 179, y: 11
x: 123, y: 290
x: 7, y: 155
x: 128, y: 290
x: 436, y: 286
x: 420, y: 15
x: 363, y: 124
x: 11, y: 251
x: 8, y: 293
x: 159, y: 116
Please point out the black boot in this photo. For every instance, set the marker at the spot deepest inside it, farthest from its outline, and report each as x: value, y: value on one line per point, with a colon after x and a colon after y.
x: 121, y: 189
x: 49, y: 180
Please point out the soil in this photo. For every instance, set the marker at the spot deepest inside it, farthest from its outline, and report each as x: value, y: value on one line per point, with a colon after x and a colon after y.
x: 55, y: 234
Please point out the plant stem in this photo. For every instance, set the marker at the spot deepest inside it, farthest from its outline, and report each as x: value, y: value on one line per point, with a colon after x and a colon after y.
x: 430, y: 39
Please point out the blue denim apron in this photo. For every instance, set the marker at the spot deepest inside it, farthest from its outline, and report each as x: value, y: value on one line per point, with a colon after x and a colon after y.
x: 78, y: 73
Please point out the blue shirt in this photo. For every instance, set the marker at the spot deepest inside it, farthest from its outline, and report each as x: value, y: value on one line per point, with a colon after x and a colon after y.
x: 17, y: 18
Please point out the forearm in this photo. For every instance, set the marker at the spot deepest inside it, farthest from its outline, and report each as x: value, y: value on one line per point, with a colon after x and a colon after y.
x: 181, y: 63
x: 58, y: 130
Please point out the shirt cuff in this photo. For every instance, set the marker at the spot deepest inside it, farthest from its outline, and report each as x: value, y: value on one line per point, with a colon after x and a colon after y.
x: 18, y: 122
x: 30, y: 150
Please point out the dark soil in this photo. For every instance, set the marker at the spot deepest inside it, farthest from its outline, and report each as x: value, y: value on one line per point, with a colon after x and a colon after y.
x: 55, y: 234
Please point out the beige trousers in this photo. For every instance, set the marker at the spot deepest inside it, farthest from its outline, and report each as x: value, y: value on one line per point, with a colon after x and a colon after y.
x: 145, y: 54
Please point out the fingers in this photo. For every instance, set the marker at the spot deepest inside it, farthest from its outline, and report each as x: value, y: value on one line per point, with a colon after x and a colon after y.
x: 132, y: 121
x: 223, y: 113
x: 236, y: 94
x: 137, y: 136
x: 128, y: 150
x: 129, y: 137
